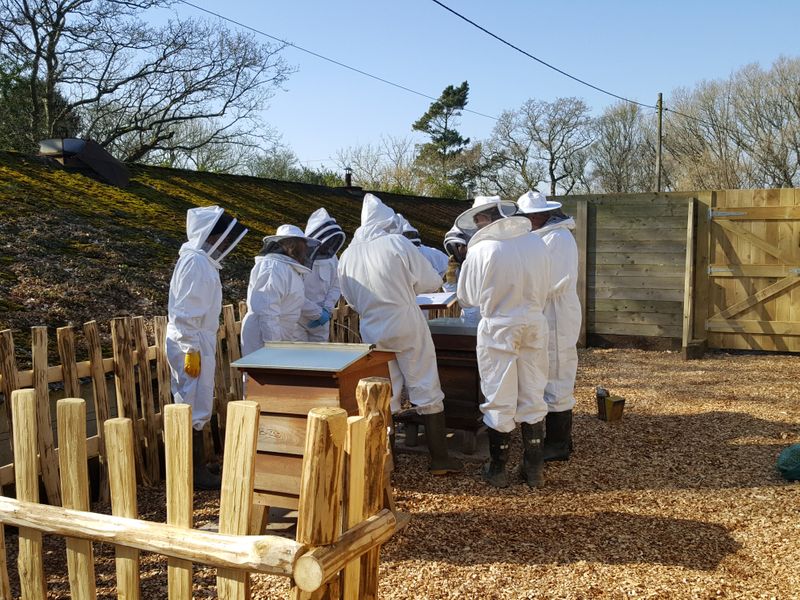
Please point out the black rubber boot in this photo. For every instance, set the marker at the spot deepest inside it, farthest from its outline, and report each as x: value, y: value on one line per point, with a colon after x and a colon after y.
x: 495, y: 470
x: 436, y: 435
x: 204, y: 479
x: 533, y: 454
x: 558, y: 435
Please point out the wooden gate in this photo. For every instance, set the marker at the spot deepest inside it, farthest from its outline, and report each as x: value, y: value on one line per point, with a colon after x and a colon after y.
x: 753, y: 270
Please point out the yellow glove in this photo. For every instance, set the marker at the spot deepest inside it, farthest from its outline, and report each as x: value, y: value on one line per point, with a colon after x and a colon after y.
x: 191, y: 363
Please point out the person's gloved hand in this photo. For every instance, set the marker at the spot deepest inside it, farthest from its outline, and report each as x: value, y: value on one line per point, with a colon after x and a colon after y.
x: 323, y: 318
x: 191, y: 363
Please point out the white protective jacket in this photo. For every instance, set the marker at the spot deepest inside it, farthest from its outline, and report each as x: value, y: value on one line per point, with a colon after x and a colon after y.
x: 507, y: 275
x: 380, y: 275
x: 195, y: 303
x: 563, y: 312
x: 275, y: 301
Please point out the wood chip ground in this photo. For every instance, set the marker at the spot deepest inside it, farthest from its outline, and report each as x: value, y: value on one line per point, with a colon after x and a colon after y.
x: 680, y: 499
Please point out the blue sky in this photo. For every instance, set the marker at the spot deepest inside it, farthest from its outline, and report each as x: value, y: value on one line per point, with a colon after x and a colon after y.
x: 635, y: 49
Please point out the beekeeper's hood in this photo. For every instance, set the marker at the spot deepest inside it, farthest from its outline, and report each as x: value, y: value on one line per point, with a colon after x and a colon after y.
x: 502, y: 229
x: 322, y: 227
x: 377, y: 219
x: 490, y: 206
x: 532, y: 202
x: 407, y: 230
x: 454, y: 237
x: 213, y: 232
x: 290, y: 241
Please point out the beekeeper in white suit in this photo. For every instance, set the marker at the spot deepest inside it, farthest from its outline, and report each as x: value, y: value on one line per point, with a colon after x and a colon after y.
x: 195, y: 303
x: 507, y: 275
x: 380, y: 274
x: 322, y: 284
x: 276, y: 297
x: 436, y: 257
x: 563, y: 312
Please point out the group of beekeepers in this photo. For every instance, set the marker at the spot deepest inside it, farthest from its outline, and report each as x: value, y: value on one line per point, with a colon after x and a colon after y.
x: 513, y: 266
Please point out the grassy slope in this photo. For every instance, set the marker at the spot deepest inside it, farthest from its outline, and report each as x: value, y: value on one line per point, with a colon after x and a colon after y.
x: 75, y: 249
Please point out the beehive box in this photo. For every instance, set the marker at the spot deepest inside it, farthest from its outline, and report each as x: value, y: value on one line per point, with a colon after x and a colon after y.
x: 288, y: 379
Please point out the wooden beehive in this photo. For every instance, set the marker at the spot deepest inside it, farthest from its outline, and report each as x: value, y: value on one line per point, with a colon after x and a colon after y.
x: 288, y: 379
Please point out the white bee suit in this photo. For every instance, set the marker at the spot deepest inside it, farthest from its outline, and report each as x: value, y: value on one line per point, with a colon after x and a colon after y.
x: 322, y: 284
x: 437, y: 258
x: 275, y: 301
x: 507, y: 275
x: 195, y: 303
x: 563, y: 312
x: 380, y: 275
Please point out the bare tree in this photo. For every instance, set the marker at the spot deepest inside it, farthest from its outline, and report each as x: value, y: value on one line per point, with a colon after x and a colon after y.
x: 543, y: 140
x: 767, y: 108
x: 622, y: 157
x: 385, y: 166
x: 135, y: 85
x: 509, y: 162
x: 699, y: 137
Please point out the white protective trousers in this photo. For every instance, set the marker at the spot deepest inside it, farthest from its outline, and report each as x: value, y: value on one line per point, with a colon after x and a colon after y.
x: 506, y: 274
x: 563, y: 312
x: 512, y: 361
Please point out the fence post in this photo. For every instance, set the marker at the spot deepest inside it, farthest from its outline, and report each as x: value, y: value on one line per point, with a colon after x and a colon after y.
x: 178, y: 458
x: 65, y: 337
x: 48, y: 462
x: 122, y: 479
x: 8, y: 369
x: 122, y: 344
x: 100, y: 395
x: 373, y: 395
x: 162, y: 364
x: 29, y: 560
x: 71, y: 415
x: 688, y: 281
x: 355, y: 469
x: 234, y: 350
x: 581, y: 238
x: 236, y: 497
x: 146, y: 398
x: 319, y: 518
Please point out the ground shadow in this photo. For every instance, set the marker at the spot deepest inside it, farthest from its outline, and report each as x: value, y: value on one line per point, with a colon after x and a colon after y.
x: 603, y: 537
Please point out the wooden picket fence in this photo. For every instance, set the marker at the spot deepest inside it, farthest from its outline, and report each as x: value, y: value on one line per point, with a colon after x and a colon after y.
x: 342, y: 519
x: 141, y: 384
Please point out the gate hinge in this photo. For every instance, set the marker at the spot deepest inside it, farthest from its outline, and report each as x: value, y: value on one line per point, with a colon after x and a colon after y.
x: 721, y: 213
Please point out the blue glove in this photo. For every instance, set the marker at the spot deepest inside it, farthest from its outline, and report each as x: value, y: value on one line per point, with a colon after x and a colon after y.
x: 323, y: 318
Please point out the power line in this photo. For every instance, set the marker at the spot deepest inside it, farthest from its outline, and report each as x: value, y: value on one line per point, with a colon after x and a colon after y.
x: 735, y: 134
x: 539, y: 60
x: 320, y: 56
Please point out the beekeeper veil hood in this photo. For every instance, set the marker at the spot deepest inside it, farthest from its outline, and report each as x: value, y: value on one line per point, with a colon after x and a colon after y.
x: 407, y: 230
x: 211, y: 231
x: 485, y: 209
x: 290, y: 241
x: 455, y: 243
x: 323, y: 228
x: 377, y: 219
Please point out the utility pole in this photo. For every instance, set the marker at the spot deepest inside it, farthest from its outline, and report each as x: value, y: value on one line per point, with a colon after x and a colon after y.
x: 659, y: 106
